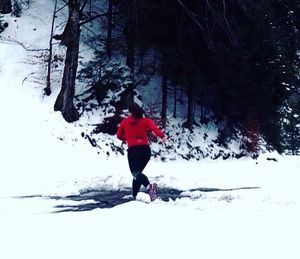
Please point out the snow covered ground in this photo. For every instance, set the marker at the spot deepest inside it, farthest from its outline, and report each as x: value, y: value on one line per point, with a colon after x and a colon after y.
x: 42, y: 156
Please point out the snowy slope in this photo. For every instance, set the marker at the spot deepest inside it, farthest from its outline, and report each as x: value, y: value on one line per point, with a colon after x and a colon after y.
x: 253, y: 211
x: 32, y: 31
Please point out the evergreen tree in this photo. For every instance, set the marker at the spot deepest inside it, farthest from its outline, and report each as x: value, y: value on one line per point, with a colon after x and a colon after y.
x: 233, y: 57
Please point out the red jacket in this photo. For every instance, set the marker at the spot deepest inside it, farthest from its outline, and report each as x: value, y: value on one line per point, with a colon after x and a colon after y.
x: 134, y: 131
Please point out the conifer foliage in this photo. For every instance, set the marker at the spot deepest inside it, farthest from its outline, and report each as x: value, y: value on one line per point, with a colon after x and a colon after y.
x: 237, y: 58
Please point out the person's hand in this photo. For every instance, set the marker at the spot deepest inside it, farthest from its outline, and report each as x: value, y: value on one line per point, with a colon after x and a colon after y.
x: 164, y: 139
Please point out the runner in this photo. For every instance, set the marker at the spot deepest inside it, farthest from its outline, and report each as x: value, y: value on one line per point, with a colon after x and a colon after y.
x: 133, y: 130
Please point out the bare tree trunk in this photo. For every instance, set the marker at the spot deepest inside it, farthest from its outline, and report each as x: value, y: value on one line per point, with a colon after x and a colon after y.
x: 202, y: 115
x: 131, y: 31
x: 48, y: 87
x: 190, y: 110
x: 64, y: 101
x: 175, y: 102
x: 90, y: 9
x: 154, y: 60
x: 109, y: 28
x: 5, y: 6
x: 164, y: 87
x: 181, y: 94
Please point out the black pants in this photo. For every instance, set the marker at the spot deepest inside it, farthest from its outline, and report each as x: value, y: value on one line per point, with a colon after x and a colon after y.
x: 138, y: 158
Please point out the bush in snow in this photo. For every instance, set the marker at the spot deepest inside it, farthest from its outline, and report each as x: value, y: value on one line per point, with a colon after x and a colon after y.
x: 17, y: 9
x: 105, y: 80
x: 3, y: 25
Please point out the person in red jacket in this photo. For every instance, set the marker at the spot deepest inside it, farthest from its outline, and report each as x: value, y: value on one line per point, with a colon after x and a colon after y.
x: 133, y: 130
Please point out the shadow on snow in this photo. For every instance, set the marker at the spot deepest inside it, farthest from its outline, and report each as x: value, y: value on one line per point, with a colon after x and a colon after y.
x: 93, y: 199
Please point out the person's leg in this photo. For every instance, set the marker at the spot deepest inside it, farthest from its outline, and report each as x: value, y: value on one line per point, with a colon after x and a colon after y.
x: 145, y: 156
x: 142, y: 180
x: 138, y: 158
x: 135, y: 187
x: 132, y: 156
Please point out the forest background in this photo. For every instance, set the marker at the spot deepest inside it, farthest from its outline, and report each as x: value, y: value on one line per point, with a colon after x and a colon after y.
x: 230, y: 66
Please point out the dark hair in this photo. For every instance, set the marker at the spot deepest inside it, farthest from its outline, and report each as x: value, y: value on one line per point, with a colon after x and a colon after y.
x: 136, y: 110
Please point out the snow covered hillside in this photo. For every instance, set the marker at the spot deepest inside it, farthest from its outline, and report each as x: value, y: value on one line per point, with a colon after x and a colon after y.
x: 32, y: 31
x: 51, y: 177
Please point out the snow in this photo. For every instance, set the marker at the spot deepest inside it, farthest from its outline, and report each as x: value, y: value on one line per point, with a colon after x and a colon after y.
x: 253, y: 214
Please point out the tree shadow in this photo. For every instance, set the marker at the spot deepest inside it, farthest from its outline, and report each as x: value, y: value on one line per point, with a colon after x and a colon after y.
x: 91, y: 199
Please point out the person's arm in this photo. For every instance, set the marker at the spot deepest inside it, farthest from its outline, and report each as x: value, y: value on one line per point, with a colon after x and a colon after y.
x: 121, y: 133
x: 158, y: 132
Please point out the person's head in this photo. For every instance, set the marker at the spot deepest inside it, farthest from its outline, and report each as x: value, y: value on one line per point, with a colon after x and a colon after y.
x: 136, y: 110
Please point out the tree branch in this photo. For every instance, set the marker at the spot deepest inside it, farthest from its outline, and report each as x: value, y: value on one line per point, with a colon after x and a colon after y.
x: 91, y: 18
x: 59, y: 9
x: 83, y: 6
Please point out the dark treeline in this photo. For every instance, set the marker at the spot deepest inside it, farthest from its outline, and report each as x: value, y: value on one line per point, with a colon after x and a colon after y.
x: 238, y: 59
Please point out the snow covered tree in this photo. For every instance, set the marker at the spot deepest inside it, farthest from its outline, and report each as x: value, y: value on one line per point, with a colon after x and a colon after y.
x: 245, y: 50
x: 231, y: 57
x: 290, y: 122
x: 71, y: 39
